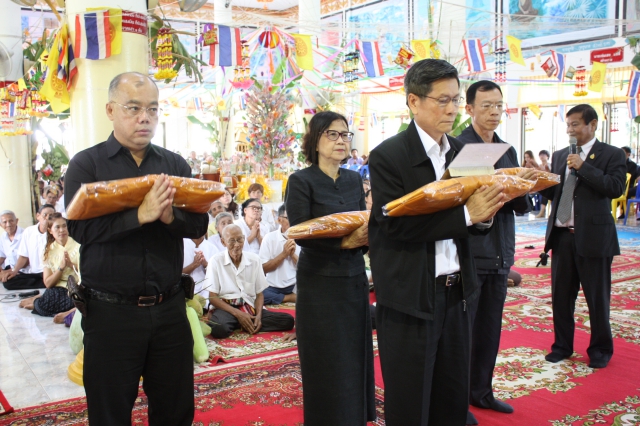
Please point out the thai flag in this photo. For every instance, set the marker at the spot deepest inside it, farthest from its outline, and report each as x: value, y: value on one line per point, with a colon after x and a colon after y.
x: 93, y: 37
x: 374, y: 119
x: 632, y: 104
x: 371, y: 58
x: 561, y: 63
x: 227, y: 52
x: 634, y: 84
x: 197, y: 103
x: 350, y: 119
x: 561, y: 112
x: 475, y: 57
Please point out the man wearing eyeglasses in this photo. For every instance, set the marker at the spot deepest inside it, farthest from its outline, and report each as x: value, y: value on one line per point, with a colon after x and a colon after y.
x: 236, y: 284
x: 423, y: 266
x: 131, y: 263
x: 493, y: 252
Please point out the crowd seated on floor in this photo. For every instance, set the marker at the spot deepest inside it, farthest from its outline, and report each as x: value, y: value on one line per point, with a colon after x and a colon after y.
x: 236, y: 283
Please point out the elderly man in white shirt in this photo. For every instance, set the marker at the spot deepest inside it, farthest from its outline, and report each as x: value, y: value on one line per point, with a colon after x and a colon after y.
x: 27, y: 271
x: 236, y: 281
x: 9, y: 241
x: 279, y: 256
x: 197, y: 253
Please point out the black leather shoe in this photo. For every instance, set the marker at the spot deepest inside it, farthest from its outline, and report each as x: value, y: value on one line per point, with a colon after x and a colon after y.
x: 471, y: 419
x: 598, y: 363
x: 554, y: 357
x: 495, y: 405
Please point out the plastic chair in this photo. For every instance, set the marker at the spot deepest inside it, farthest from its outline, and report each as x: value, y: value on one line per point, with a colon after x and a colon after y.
x: 354, y: 167
x: 621, y: 200
x: 631, y: 201
x: 364, y: 171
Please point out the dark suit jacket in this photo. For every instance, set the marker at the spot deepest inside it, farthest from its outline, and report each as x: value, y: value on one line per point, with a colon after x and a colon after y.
x: 402, y: 249
x: 602, y: 177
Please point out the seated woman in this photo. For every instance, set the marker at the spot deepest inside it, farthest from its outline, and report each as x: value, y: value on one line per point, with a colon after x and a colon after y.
x: 222, y: 220
x: 229, y: 204
x: 61, y: 257
x: 251, y: 225
x: 256, y: 191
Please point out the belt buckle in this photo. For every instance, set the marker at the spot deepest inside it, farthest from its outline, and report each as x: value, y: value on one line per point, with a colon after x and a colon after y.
x: 450, y: 278
x: 145, y: 301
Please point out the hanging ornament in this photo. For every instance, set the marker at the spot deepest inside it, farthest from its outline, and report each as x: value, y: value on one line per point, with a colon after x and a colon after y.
x: 269, y: 39
x: 165, y: 62
x: 349, y: 68
x: 581, y: 85
x: 614, y: 120
x: 501, y: 65
x: 403, y: 57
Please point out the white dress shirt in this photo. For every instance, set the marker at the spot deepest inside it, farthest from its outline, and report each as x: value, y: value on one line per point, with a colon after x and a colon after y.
x: 583, y: 155
x: 254, y: 246
x: 447, y: 261
x: 9, y: 249
x: 285, y: 274
x: 229, y: 282
x: 32, y: 246
x: 190, y: 249
x: 216, y: 243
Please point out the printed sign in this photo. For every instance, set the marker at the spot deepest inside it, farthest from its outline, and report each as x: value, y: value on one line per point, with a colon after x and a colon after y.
x: 134, y: 22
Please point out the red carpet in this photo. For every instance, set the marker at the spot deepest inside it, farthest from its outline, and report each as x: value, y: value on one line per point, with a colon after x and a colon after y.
x: 5, y: 408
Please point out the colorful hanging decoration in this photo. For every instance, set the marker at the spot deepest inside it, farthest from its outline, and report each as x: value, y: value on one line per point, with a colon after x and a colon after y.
x: 501, y: 65
x: 350, y: 68
x: 614, y: 120
x: 242, y: 73
x: 549, y: 67
x: 581, y: 85
x: 269, y: 39
x: 403, y: 57
x: 165, y: 60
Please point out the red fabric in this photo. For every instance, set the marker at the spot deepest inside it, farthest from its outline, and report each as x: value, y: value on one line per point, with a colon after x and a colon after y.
x: 5, y: 408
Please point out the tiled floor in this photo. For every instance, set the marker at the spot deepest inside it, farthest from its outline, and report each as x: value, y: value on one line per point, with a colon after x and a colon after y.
x: 34, y: 357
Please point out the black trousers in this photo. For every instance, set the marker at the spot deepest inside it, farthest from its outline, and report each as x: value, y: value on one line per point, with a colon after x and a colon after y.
x: 485, y: 313
x: 25, y: 282
x: 222, y: 323
x: 425, y: 363
x: 568, y: 271
x: 123, y: 343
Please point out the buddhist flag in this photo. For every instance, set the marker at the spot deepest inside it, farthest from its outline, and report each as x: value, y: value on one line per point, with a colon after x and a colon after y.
x: 515, y: 52
x: 93, y: 37
x: 304, y: 52
x: 53, y: 89
x: 422, y: 49
x: 115, y: 28
x: 634, y: 84
x: 596, y: 81
x: 227, y: 52
x: 535, y: 110
x: 474, y: 55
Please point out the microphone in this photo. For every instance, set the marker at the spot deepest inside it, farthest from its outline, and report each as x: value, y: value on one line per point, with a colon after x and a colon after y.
x: 573, y: 149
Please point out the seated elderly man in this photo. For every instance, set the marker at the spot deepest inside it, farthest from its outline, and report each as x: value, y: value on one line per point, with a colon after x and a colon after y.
x: 197, y: 253
x: 216, y: 208
x: 223, y: 220
x: 9, y: 241
x: 279, y: 256
x: 236, y: 281
x: 30, y: 252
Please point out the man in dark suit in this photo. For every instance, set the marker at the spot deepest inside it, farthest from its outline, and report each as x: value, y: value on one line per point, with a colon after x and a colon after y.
x: 581, y: 234
x: 493, y: 253
x: 632, y: 169
x: 424, y: 269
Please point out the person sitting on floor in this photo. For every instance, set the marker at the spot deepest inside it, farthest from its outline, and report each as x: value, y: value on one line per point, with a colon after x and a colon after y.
x: 27, y: 272
x: 256, y: 191
x: 51, y: 195
x: 252, y: 226
x: 236, y: 282
x: 223, y: 220
x: 9, y: 241
x: 279, y: 256
x: 60, y: 260
x: 196, y: 259
x: 215, y: 209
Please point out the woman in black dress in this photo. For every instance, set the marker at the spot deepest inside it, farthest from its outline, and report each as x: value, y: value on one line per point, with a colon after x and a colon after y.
x: 333, y: 320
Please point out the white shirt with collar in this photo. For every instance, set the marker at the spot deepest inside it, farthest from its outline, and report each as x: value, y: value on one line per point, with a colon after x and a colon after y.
x: 198, y: 274
x: 447, y: 260
x: 285, y: 274
x: 32, y: 246
x: 583, y: 155
x: 254, y: 246
x: 229, y: 282
x: 216, y: 243
x: 9, y: 249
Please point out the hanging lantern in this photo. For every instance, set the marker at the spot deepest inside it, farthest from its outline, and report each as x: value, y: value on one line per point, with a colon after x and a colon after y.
x: 614, y: 120
x: 349, y: 69
x: 581, y: 85
x: 164, y: 47
x: 501, y: 65
x: 269, y: 39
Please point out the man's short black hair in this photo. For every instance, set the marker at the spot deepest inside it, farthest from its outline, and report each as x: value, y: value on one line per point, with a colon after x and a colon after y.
x: 45, y: 206
x: 626, y: 149
x: 354, y: 150
x: 545, y: 152
x: 281, y: 210
x: 480, y: 86
x: 421, y: 76
x: 588, y: 113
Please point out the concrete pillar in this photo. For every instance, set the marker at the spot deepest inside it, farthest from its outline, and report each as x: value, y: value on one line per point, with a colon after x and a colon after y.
x: 15, y: 155
x: 89, y: 94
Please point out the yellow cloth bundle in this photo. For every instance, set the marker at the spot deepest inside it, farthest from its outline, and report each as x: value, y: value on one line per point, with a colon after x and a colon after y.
x: 331, y: 226
x: 545, y: 179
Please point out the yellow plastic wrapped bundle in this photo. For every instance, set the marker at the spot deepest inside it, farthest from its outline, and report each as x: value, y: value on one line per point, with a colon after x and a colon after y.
x: 445, y: 194
x: 101, y: 198
x: 331, y: 226
x: 545, y: 179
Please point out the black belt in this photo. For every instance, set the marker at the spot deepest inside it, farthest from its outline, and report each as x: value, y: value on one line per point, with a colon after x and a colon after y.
x: 565, y: 228
x: 142, y: 301
x: 448, y: 280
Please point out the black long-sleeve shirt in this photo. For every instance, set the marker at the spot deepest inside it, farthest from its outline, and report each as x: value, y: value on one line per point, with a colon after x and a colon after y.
x: 117, y: 254
x: 311, y: 194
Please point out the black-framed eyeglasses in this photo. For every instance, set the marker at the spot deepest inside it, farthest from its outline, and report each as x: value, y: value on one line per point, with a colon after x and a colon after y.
x: 333, y: 135
x: 232, y: 242
x: 489, y: 105
x: 134, y: 110
x: 255, y: 208
x: 444, y: 101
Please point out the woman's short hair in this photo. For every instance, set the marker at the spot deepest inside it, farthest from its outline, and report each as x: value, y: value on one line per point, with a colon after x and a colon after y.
x: 255, y: 187
x: 318, y: 124
x: 247, y: 202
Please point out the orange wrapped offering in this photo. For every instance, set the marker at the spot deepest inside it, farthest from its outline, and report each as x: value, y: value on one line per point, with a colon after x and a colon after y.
x: 545, y: 179
x: 101, y: 198
x: 445, y: 194
x: 331, y: 226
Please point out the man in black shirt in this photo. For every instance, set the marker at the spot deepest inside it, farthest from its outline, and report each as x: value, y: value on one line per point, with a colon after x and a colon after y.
x: 131, y: 263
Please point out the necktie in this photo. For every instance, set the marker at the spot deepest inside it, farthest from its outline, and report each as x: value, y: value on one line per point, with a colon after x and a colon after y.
x: 566, y: 199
